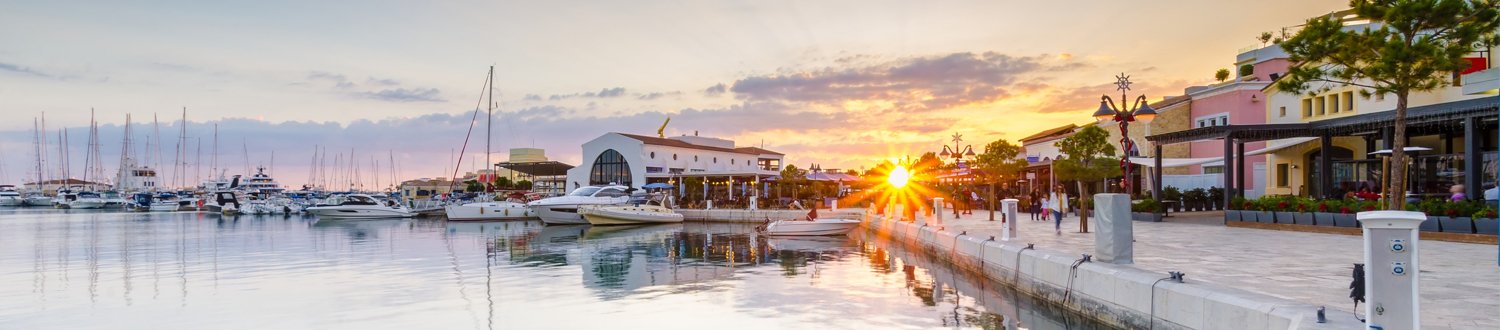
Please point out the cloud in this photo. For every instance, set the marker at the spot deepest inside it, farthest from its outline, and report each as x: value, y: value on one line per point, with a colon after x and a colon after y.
x: 405, y: 95
x: 14, y: 68
x: 1086, y: 98
x: 915, y: 83
x: 657, y: 95
x: 602, y: 93
x: 339, y: 81
x: 716, y: 89
x: 381, y: 81
x: 533, y: 97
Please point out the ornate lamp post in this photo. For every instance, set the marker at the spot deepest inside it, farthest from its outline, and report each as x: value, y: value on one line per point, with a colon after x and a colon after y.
x: 1140, y: 110
x: 955, y: 151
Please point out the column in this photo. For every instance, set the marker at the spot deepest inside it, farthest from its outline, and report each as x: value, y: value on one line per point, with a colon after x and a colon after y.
x: 1239, y: 169
x: 1325, y: 167
x: 1228, y: 170
x: 1473, y: 159
x: 1156, y: 176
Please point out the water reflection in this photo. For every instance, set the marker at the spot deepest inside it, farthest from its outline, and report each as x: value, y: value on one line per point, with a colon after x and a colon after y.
x: 187, y: 270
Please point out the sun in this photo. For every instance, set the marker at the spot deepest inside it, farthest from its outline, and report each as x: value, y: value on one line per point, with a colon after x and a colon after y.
x: 898, y: 177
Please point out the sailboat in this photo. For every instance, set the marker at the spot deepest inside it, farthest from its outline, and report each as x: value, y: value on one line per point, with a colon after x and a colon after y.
x: 487, y: 208
x: 38, y: 196
x: 89, y: 199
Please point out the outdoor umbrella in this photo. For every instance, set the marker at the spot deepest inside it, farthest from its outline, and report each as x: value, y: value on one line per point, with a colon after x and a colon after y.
x: 658, y: 185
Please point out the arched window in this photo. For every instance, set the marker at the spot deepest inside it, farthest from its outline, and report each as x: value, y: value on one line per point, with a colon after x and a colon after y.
x: 610, y: 167
x: 674, y: 156
x: 653, y: 155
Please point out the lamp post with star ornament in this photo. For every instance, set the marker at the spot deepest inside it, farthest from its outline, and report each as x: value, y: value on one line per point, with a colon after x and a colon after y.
x: 1139, y: 110
x: 958, y: 151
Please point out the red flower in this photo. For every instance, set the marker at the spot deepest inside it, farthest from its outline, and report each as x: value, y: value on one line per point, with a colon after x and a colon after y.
x: 1344, y: 210
x: 1249, y: 206
x: 1489, y: 213
x: 1281, y: 206
x: 1368, y: 207
x: 1322, y: 207
x: 1451, y: 212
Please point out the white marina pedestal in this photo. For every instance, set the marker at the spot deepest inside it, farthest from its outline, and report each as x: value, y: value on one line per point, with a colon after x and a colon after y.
x: 1008, y: 212
x: 937, y: 211
x: 1113, y: 241
x: 710, y: 204
x: 833, y: 205
x: 1391, y: 268
x: 753, y: 202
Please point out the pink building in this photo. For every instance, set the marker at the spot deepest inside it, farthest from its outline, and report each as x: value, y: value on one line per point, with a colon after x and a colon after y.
x: 1239, y: 101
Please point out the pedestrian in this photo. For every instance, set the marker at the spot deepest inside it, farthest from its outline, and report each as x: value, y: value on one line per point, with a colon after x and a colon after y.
x: 974, y: 197
x: 1056, y: 205
x: 1031, y: 199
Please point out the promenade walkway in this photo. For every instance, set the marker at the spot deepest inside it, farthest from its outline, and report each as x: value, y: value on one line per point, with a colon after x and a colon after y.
x: 1460, y: 286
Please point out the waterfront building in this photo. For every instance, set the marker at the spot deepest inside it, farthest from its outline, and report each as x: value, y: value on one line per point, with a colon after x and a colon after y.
x: 1040, y: 150
x: 427, y: 188
x: 713, y: 165
x: 530, y: 164
x: 51, y: 186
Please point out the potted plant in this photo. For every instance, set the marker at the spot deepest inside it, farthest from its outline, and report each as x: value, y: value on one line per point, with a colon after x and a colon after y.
x: 1436, y: 214
x: 1485, y: 222
x: 1265, y: 210
x: 1456, y: 217
x: 1304, y: 212
x: 1216, y: 198
x: 1285, y: 208
x: 1323, y: 212
x: 1145, y: 210
x: 1196, y: 197
x: 1233, y: 211
x: 1345, y: 215
x: 1174, y: 195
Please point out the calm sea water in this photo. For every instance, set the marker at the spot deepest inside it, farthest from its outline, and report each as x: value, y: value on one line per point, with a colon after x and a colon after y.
x: 72, y: 270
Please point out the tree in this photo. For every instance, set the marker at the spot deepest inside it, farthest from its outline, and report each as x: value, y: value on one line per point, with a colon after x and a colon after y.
x: 473, y: 186
x: 1410, y: 46
x: 503, y: 182
x: 1088, y: 158
x: 999, y: 161
x: 1221, y: 75
x: 1264, y: 38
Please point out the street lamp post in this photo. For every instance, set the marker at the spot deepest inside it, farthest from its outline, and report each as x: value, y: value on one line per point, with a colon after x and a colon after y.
x: 958, y: 151
x: 1140, y: 110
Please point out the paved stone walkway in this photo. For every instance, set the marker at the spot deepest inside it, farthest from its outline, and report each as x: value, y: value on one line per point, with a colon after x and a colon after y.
x: 1460, y: 286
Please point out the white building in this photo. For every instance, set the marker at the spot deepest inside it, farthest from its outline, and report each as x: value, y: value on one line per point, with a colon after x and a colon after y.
x: 635, y: 160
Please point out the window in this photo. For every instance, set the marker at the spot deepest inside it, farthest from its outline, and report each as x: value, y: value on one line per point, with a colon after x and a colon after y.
x: 731, y: 161
x: 1320, y: 104
x: 1213, y: 169
x: 1333, y: 103
x: 1283, y: 111
x: 674, y: 156
x: 651, y: 169
x: 653, y: 155
x: 695, y: 158
x: 716, y: 160
x: 1213, y: 120
x: 1379, y: 97
x: 1282, y: 175
x: 610, y: 167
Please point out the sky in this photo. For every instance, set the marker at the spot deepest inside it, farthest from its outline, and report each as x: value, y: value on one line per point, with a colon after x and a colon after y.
x: 842, y: 84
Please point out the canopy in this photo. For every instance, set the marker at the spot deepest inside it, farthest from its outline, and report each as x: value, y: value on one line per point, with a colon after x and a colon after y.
x: 1271, y: 146
x: 820, y: 176
x: 658, y: 185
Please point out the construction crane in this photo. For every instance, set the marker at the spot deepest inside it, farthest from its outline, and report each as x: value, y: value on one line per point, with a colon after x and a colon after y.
x: 659, y: 131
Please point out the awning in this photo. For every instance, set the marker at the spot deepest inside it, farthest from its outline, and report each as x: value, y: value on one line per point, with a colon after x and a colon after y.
x: 1271, y: 146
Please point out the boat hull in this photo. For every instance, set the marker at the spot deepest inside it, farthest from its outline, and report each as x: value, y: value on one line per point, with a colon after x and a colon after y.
x: 821, y: 227
x: 558, y: 214
x: 488, y: 211
x: 12, y: 201
x: 627, y: 215
x: 375, y: 212
x: 163, y: 207
x: 39, y: 201
x: 87, y: 204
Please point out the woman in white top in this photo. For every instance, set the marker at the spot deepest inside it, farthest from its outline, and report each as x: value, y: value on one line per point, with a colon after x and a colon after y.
x: 1057, y: 202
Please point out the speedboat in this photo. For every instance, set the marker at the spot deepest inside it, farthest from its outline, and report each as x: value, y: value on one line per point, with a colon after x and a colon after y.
x: 165, y: 202
x: 86, y: 200
x: 634, y: 213
x: 63, y: 199
x: 563, y: 210
x: 359, y: 206
x: 112, y: 199
x: 814, y: 227
x: 10, y: 197
x: 480, y: 211
x: 37, y: 199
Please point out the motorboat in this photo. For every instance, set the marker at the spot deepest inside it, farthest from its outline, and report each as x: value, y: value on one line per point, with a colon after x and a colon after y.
x: 165, y: 202
x: 809, y: 227
x: 63, y: 198
x: 563, y: 210
x: 260, y: 182
x: 10, y: 197
x: 359, y: 206
x: 86, y: 200
x: 481, y: 211
x: 112, y: 199
x: 633, y: 213
x: 37, y: 199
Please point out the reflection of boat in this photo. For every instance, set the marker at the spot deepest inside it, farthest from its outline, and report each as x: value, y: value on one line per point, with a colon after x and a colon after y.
x: 564, y: 209
x: 359, y: 206
x: 811, y: 243
x: 495, y: 229
x: 819, y: 227
x: 628, y: 214
x: 489, y: 211
x: 649, y: 232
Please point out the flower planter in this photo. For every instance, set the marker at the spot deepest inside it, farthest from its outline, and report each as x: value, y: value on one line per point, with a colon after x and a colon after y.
x: 1486, y: 226
x: 1145, y: 216
x: 1432, y: 224
x: 1232, y: 215
x: 1265, y: 217
x: 1323, y: 218
x: 1285, y: 217
x: 1461, y: 225
x: 1303, y: 218
x: 1345, y: 220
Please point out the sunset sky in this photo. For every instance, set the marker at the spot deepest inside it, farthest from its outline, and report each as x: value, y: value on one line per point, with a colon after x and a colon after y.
x: 839, y: 83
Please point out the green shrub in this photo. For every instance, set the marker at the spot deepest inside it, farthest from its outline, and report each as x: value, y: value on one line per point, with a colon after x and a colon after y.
x: 1146, y: 205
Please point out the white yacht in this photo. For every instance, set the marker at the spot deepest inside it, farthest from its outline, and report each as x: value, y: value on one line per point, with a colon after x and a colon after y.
x: 10, y: 197
x: 165, y: 202
x: 86, y: 200
x: 261, y: 183
x: 113, y: 199
x: 496, y: 210
x: 37, y: 198
x: 635, y: 212
x: 359, y: 206
x: 563, y: 210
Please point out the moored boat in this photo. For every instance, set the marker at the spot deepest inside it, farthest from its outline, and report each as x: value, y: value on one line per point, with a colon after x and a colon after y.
x: 87, y: 200
x: 563, y: 210
x: 816, y: 227
x: 10, y: 197
x: 359, y: 206
x: 641, y: 212
x: 481, y: 211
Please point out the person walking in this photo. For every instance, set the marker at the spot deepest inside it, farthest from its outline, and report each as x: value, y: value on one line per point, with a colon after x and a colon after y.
x: 1033, y: 204
x: 1057, y: 203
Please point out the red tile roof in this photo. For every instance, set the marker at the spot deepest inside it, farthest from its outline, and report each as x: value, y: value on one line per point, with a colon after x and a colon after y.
x: 680, y: 144
x: 1055, y: 131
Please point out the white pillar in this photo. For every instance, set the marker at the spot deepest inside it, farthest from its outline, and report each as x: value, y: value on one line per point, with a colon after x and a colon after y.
x: 937, y: 211
x: 1008, y: 210
x: 1113, y: 241
x: 753, y: 200
x: 834, y: 206
x: 710, y: 204
x: 1391, y: 268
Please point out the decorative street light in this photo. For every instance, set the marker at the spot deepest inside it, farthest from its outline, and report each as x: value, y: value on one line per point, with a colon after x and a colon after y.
x: 955, y: 152
x: 1140, y: 110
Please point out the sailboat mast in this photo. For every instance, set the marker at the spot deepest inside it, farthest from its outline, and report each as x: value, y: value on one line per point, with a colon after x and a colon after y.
x: 36, y: 141
x: 489, y: 122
